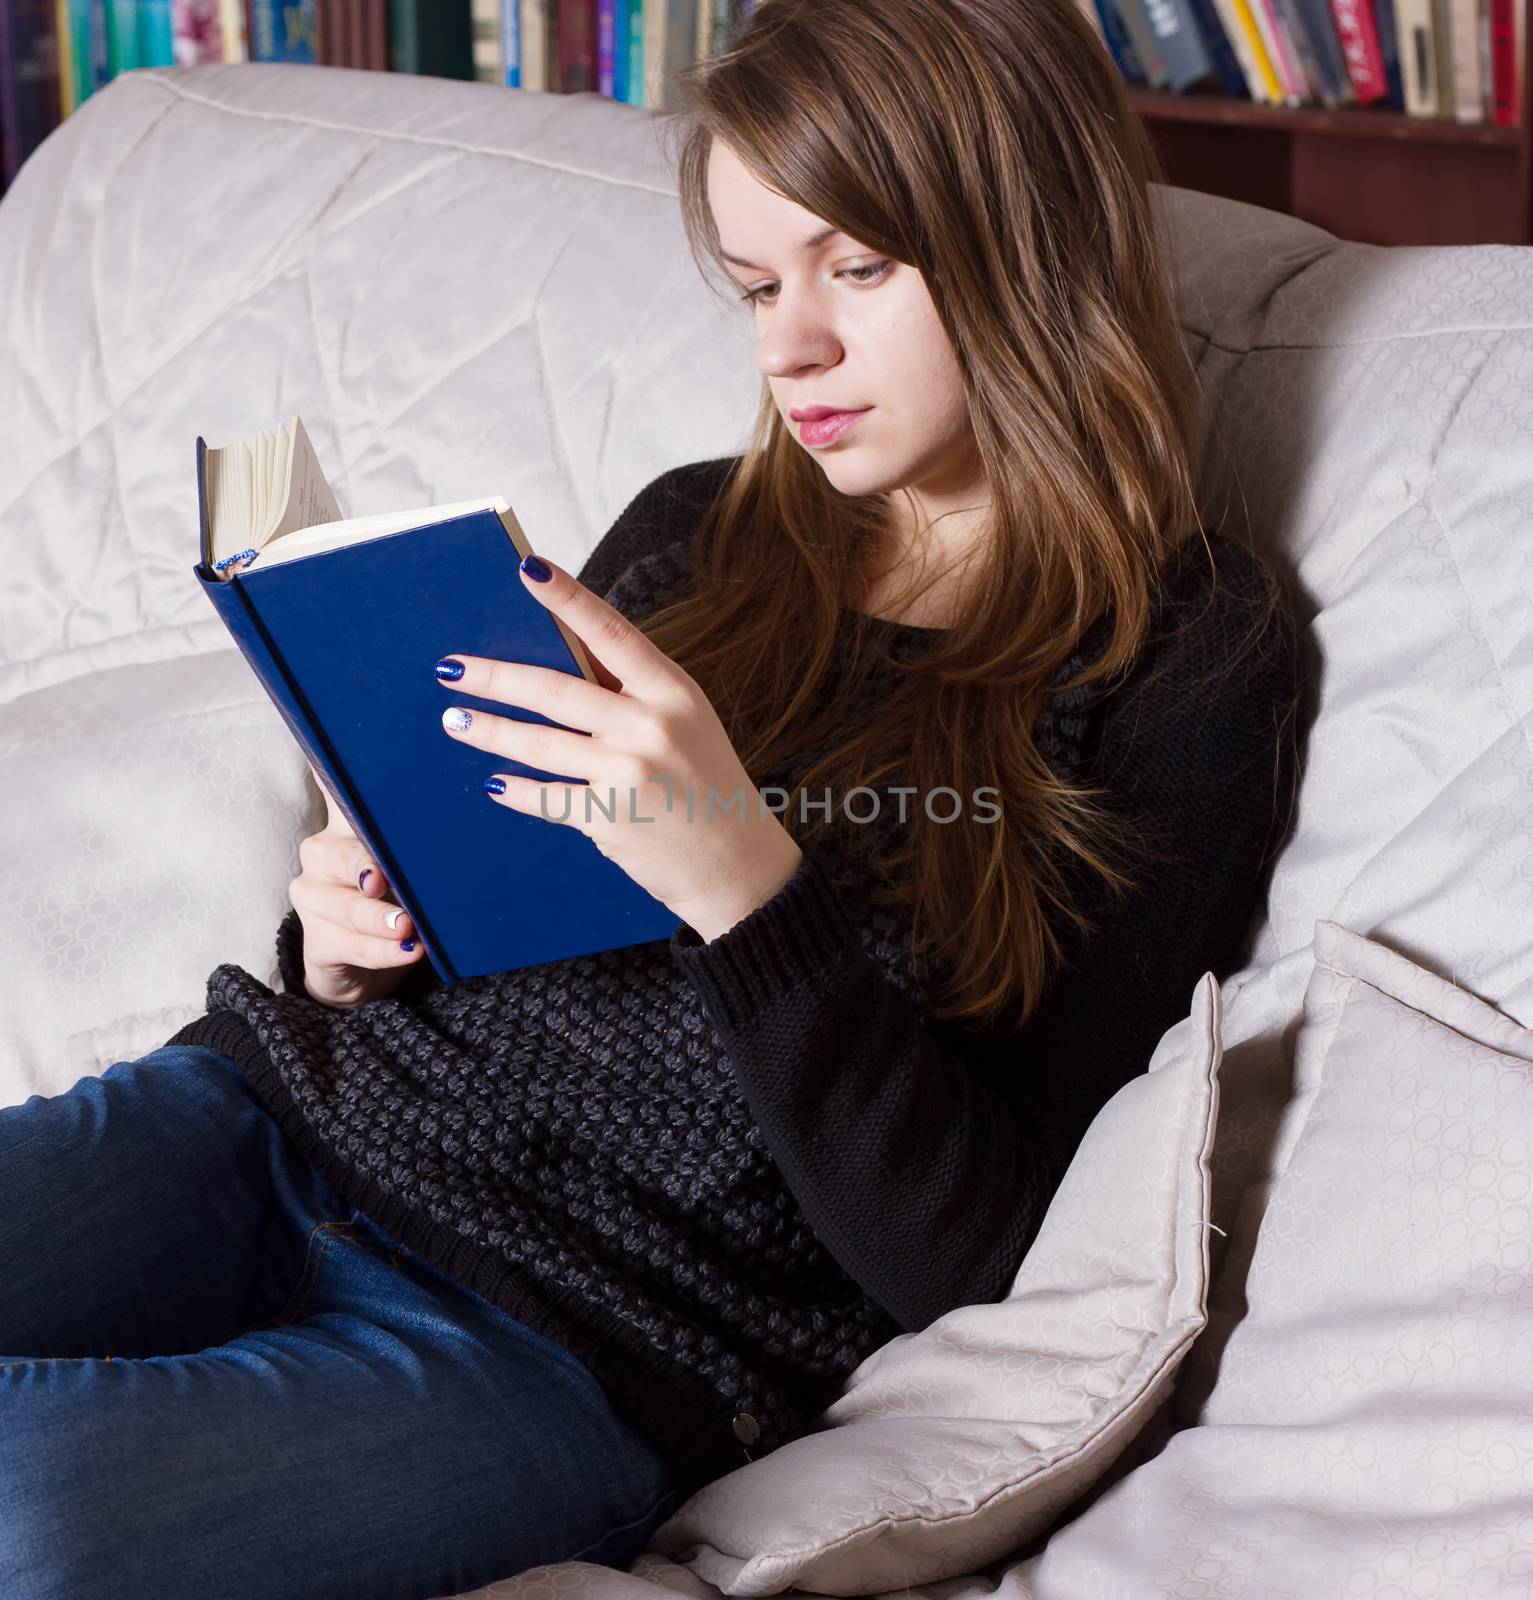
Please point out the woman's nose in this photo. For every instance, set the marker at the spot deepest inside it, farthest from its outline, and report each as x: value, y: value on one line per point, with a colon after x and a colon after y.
x: 802, y: 337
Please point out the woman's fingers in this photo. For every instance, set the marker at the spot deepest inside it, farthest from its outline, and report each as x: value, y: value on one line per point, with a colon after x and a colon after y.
x: 365, y: 932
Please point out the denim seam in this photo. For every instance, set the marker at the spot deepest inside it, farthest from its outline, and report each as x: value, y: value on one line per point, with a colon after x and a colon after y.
x: 299, y: 1299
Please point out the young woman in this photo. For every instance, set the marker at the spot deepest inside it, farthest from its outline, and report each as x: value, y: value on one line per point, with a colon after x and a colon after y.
x: 373, y: 1287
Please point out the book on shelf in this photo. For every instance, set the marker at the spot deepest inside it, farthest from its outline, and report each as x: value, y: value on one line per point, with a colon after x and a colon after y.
x: 341, y: 619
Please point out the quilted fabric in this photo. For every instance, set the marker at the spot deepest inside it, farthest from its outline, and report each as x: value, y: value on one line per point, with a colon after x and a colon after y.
x: 1370, y: 1433
x: 952, y: 1445
x: 468, y: 290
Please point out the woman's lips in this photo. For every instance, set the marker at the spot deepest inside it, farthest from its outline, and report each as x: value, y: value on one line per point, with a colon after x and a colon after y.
x: 823, y: 429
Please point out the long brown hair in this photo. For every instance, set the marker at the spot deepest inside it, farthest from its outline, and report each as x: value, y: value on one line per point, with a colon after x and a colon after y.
x: 988, y: 143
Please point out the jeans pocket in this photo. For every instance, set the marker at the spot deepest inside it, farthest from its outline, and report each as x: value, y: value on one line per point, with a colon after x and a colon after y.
x: 320, y: 1239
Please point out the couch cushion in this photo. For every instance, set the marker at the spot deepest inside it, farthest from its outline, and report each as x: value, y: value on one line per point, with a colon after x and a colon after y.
x: 1369, y: 1431
x: 952, y: 1445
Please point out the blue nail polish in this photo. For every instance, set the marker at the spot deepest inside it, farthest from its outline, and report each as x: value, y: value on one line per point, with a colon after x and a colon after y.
x: 538, y: 571
x: 407, y: 946
x: 449, y: 670
x: 363, y: 876
x: 456, y: 718
x: 495, y: 785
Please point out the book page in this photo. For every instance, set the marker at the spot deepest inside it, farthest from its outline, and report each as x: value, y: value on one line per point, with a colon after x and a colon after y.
x: 311, y: 541
x: 307, y: 500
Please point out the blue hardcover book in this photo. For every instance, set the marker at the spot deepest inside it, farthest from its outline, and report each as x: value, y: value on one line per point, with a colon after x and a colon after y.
x: 1231, y: 75
x: 1118, y: 43
x: 342, y: 622
x: 1389, y: 51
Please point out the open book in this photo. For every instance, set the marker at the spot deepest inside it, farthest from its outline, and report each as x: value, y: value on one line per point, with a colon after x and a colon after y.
x: 342, y: 620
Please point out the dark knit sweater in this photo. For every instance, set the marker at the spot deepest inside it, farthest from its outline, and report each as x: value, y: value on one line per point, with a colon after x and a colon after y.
x: 722, y: 1174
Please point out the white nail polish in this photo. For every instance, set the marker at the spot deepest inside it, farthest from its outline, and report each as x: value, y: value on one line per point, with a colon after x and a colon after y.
x: 392, y: 919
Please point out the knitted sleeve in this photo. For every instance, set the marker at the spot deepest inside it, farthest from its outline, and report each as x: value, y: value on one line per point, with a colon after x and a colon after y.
x: 926, y: 1173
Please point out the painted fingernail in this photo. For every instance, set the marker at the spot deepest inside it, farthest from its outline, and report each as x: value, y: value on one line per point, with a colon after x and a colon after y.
x: 391, y: 921
x: 538, y: 571
x: 363, y: 876
x: 495, y: 785
x: 407, y: 946
x: 449, y: 670
x: 457, y: 719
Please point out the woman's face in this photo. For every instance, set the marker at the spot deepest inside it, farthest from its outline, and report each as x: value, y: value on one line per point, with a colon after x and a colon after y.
x: 839, y: 325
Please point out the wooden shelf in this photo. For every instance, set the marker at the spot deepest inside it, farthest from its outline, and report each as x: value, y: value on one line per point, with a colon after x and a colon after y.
x: 1377, y: 176
x: 1352, y: 122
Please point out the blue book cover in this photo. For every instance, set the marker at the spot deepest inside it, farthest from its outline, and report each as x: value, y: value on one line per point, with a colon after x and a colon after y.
x: 344, y: 640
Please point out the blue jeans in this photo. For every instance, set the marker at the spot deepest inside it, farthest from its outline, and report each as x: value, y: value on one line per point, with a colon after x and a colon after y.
x: 216, y: 1378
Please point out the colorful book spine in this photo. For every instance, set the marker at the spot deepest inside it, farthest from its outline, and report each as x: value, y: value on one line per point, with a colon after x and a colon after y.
x: 1358, y: 33
x: 156, y: 33
x: 606, y: 47
x: 576, y: 26
x: 284, y: 30
x: 434, y: 38
x: 511, y: 43
x: 1503, y: 44
x: 1208, y: 22
x: 1313, y: 18
x: 633, y: 82
x: 1188, y: 63
x: 29, y: 80
x: 197, y: 32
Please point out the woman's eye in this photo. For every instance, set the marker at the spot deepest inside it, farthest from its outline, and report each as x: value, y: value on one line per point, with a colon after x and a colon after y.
x: 879, y: 270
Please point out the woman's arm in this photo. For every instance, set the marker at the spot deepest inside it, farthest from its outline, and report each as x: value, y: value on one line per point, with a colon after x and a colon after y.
x: 924, y: 1172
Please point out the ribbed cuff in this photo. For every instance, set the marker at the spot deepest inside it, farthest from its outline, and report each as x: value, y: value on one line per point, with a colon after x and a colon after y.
x: 224, y: 1031
x: 420, y: 980
x: 784, y: 942
x: 290, y: 953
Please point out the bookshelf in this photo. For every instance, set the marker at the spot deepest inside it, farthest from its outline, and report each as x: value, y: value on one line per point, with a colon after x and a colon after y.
x: 1376, y: 176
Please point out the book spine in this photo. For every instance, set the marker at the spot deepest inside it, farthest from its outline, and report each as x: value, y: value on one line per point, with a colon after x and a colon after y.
x: 231, y: 598
x: 1503, y: 46
x: 378, y: 35
x: 1319, y: 26
x: 404, y: 38
x: 634, y: 84
x: 511, y: 42
x: 1464, y: 25
x: 1358, y: 35
x: 1186, y: 56
x: 576, y: 27
x: 1119, y: 46
x: 606, y: 51
x: 1210, y: 24
x: 444, y: 32
x: 1135, y: 22
x: 29, y: 78
x: 1389, y: 52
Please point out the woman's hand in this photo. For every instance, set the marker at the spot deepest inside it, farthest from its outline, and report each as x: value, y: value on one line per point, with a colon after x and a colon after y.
x: 351, y: 949
x: 665, y: 795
